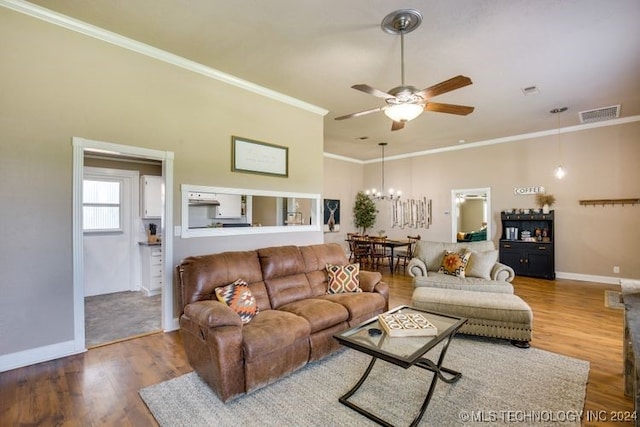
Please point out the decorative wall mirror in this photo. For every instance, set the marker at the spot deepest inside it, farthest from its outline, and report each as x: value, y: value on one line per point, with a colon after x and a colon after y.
x: 471, y: 214
x: 219, y: 211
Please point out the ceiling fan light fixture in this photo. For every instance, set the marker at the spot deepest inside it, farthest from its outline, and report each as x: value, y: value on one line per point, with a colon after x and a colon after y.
x: 405, y: 102
x: 403, y: 112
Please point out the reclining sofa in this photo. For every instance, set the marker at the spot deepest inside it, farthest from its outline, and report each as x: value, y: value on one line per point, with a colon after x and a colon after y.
x: 296, y: 316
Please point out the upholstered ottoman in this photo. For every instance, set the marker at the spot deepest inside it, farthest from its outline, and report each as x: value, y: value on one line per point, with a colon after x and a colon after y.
x: 490, y: 314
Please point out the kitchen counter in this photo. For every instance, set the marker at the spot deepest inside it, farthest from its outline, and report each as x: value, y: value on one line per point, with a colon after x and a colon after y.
x: 158, y: 243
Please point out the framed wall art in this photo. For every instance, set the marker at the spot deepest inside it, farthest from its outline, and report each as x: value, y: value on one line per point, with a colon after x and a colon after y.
x: 331, y: 208
x: 249, y: 156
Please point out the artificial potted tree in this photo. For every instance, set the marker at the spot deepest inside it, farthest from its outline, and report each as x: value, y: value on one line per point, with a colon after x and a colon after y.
x: 364, y: 212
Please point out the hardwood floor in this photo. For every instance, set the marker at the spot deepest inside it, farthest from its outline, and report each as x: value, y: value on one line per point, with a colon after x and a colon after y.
x: 100, y: 387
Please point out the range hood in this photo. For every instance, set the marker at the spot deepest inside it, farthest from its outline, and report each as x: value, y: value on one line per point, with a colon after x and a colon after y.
x: 203, y: 199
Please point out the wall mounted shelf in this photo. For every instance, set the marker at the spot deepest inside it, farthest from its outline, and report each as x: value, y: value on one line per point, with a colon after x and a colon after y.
x: 612, y: 202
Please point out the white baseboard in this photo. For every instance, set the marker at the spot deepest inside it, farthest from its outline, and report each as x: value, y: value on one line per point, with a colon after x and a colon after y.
x: 37, y: 355
x: 589, y: 278
x: 51, y: 352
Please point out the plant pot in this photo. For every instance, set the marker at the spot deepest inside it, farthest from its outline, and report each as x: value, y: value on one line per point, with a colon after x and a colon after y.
x: 545, y: 209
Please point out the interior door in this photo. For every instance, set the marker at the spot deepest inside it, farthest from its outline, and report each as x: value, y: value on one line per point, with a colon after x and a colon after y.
x: 108, y: 230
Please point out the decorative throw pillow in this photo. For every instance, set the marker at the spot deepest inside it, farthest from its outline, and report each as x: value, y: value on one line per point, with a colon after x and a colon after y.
x: 343, y: 278
x: 238, y: 297
x: 481, y: 264
x: 454, y: 263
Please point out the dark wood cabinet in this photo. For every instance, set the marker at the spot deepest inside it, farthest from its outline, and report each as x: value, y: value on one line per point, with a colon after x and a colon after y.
x: 527, y: 244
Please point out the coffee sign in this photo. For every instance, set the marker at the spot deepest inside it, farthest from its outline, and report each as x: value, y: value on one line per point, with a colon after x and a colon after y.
x: 522, y: 191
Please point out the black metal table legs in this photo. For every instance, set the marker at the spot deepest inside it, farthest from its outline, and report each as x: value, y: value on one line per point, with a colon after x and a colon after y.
x: 445, y: 374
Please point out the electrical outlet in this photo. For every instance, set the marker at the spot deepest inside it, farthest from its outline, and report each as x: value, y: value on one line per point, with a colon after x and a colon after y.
x: 616, y: 269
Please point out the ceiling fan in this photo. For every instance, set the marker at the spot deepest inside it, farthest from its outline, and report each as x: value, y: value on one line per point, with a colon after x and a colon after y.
x: 405, y: 103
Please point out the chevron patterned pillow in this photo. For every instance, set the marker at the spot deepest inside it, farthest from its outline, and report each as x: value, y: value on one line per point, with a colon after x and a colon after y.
x: 343, y: 278
x: 238, y: 297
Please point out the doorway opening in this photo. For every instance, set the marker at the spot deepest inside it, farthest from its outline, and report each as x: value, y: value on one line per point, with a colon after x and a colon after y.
x: 471, y: 214
x: 107, y: 256
x: 116, y: 305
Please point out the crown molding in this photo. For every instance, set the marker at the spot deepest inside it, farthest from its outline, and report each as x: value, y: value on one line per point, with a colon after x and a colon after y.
x: 513, y: 138
x: 344, y: 158
x: 81, y: 27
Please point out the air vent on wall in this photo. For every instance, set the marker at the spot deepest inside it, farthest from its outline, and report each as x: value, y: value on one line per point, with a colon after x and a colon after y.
x: 600, y: 114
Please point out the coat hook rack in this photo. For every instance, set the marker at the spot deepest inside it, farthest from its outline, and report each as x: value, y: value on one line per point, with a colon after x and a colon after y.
x: 612, y: 202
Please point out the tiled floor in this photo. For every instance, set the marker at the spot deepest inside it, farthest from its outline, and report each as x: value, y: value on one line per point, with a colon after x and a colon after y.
x: 120, y: 315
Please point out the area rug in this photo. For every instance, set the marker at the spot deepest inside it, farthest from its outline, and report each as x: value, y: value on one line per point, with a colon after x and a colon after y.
x: 500, y: 385
x: 613, y: 299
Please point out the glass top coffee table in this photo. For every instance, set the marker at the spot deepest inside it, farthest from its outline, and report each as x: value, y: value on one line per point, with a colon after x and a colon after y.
x: 405, y: 351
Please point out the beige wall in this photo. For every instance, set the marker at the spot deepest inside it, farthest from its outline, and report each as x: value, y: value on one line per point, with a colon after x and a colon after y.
x: 342, y: 180
x: 602, y: 163
x: 57, y: 84
x: 264, y: 210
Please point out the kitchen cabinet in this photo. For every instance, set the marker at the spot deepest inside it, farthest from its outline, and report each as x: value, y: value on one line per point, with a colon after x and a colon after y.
x: 230, y: 206
x: 151, y: 268
x: 151, y: 196
x: 527, y: 244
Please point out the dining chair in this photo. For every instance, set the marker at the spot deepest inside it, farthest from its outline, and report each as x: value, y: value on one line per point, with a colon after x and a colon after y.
x: 351, y: 242
x: 379, y: 252
x: 361, y: 250
x: 405, y: 255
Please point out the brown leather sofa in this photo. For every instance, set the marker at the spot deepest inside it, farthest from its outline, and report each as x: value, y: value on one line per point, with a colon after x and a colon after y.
x: 296, y: 319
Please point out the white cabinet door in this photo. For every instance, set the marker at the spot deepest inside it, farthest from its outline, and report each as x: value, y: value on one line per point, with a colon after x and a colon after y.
x: 151, y: 269
x: 230, y: 206
x: 152, y: 196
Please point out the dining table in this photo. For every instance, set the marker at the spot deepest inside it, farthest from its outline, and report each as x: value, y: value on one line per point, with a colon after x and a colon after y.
x: 393, y: 244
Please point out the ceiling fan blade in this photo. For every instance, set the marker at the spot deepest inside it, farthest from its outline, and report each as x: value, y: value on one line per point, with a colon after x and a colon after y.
x: 360, y: 113
x: 371, y: 91
x: 397, y: 125
x: 438, y: 107
x: 446, y: 86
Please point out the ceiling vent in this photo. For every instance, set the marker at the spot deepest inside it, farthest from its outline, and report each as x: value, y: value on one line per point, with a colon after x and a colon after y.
x: 530, y: 90
x: 600, y: 114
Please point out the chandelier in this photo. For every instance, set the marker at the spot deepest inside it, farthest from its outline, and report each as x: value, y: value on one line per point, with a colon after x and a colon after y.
x: 380, y: 194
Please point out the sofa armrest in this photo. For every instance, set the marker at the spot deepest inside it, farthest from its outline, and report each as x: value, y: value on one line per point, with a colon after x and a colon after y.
x: 417, y: 268
x: 212, y: 314
x: 502, y: 272
x: 369, y: 280
x: 212, y: 337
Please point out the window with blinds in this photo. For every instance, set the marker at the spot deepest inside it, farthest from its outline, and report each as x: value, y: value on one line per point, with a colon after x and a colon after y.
x: 102, y: 205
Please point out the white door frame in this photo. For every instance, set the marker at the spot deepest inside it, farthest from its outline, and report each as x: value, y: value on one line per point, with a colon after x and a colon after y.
x: 455, y: 207
x: 80, y: 145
